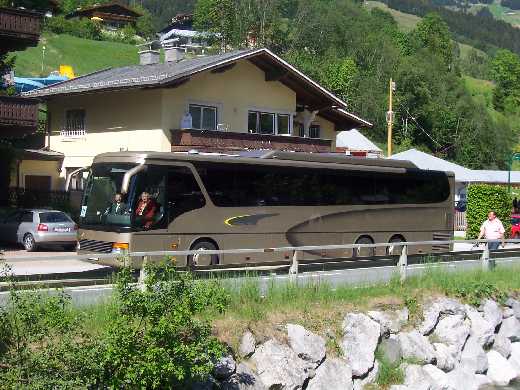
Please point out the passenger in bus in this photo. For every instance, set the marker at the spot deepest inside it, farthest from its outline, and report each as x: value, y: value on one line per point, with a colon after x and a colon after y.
x: 118, y: 207
x: 145, y: 210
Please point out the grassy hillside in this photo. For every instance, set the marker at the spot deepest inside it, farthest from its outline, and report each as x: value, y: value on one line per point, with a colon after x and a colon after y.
x: 502, y: 13
x: 406, y: 22
x: 83, y: 55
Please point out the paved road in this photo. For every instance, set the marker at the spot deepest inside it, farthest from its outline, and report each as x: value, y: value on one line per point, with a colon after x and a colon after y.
x: 65, y: 264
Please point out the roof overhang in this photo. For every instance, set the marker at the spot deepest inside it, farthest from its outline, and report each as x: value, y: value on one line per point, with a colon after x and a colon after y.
x: 308, y: 92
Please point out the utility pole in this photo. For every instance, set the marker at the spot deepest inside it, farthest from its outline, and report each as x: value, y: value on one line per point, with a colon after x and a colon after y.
x: 390, y: 116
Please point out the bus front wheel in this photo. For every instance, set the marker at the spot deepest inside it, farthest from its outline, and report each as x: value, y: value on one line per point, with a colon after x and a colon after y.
x: 202, y: 259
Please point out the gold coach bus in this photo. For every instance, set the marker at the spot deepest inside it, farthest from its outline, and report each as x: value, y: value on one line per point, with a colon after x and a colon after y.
x: 261, y: 199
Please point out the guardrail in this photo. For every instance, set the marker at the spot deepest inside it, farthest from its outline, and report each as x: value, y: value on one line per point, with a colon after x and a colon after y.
x: 292, y: 263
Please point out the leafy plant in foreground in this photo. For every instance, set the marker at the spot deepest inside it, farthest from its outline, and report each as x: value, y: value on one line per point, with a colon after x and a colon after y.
x: 158, y: 341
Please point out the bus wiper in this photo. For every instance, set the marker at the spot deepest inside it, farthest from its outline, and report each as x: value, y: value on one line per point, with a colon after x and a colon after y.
x: 128, y: 175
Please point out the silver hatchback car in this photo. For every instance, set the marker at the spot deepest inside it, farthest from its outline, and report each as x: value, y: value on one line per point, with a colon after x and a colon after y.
x: 36, y: 228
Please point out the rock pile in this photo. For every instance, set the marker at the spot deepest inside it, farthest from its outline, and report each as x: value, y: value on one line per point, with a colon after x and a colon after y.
x: 455, y: 347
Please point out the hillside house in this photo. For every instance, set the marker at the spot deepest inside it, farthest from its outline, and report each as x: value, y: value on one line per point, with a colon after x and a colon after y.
x: 249, y: 99
x: 113, y: 16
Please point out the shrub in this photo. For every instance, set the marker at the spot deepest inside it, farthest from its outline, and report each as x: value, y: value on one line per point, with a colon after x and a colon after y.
x: 82, y: 28
x: 156, y: 337
x: 483, y: 198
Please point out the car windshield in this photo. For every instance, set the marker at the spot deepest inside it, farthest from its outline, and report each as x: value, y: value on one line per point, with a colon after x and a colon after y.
x: 54, y: 217
x: 515, y: 221
x: 106, y: 207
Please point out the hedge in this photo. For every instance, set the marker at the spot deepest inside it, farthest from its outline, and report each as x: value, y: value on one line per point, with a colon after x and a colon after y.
x: 483, y: 198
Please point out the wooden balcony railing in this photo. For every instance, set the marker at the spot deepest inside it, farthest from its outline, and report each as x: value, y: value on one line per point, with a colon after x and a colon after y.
x: 18, y: 116
x: 19, y: 29
x: 211, y: 140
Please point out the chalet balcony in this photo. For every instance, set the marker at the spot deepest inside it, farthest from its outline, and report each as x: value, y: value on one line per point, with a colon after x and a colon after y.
x: 220, y: 141
x: 18, y: 29
x: 18, y: 116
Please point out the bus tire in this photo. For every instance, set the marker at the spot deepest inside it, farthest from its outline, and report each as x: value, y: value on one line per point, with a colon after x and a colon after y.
x: 364, y: 252
x: 207, y: 260
x: 396, y: 249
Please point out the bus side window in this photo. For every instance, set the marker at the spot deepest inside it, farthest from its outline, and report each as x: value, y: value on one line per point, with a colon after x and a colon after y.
x: 183, y: 192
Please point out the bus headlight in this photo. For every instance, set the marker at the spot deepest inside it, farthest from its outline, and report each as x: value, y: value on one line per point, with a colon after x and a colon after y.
x: 120, y: 247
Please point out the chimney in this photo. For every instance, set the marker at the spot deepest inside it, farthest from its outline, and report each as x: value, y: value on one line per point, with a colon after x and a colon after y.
x: 173, y: 54
x: 149, y: 57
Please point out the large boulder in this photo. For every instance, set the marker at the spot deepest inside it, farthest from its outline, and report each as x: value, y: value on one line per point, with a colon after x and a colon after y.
x: 514, y: 360
x: 360, y: 383
x: 433, y: 311
x: 492, y: 312
x: 510, y: 328
x: 416, y: 378
x: 391, y: 349
x: 278, y: 366
x: 499, y: 371
x: 307, y: 345
x: 446, y: 356
x: 243, y: 379
x: 224, y: 367
x: 438, y: 379
x: 391, y: 322
x: 463, y: 379
x: 502, y: 345
x: 247, y: 345
x: 416, y: 346
x: 360, y: 337
x: 481, y: 329
x: 333, y: 374
x: 453, y: 330
x: 474, y: 357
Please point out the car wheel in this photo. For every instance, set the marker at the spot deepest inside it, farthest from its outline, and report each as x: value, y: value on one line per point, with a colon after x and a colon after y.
x: 29, y: 243
x: 516, y: 236
x: 201, y: 260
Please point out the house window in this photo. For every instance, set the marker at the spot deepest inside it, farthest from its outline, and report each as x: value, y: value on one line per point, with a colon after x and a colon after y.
x: 314, y: 131
x: 74, y: 123
x: 203, y: 117
x: 268, y: 123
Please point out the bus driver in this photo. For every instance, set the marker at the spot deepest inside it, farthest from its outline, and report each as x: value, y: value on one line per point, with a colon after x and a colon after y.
x: 146, y: 209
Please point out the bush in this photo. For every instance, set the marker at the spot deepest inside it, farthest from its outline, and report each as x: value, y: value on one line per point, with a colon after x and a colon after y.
x: 156, y: 337
x: 483, y: 198
x: 82, y: 28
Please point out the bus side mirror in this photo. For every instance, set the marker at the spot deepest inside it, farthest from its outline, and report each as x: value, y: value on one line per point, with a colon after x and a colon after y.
x: 72, y: 174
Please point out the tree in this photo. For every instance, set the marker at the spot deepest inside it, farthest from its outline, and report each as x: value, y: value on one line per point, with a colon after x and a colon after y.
x: 218, y: 17
x: 505, y: 70
x: 434, y: 34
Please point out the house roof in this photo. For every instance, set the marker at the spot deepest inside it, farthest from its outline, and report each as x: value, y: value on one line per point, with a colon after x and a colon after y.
x: 169, y: 74
x: 114, y: 8
x: 462, y: 174
x: 354, y: 140
x: 41, y: 155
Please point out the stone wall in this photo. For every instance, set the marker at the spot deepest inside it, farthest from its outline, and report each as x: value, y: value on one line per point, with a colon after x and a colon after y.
x: 454, y: 347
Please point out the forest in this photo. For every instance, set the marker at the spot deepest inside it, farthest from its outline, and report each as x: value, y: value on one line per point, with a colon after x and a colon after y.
x: 354, y: 52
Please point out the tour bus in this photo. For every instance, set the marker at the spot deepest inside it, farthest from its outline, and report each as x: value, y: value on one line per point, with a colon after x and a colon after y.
x: 261, y: 199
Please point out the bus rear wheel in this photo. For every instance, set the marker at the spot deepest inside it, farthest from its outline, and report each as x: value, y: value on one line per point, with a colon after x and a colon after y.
x: 201, y: 260
x: 364, y: 252
x: 395, y: 249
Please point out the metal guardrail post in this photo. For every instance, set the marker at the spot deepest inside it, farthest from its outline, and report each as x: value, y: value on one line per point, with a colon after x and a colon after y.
x: 143, y: 274
x: 488, y: 264
x: 403, y: 263
x: 293, y: 270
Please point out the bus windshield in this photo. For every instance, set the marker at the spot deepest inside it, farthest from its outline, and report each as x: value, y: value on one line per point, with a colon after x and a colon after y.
x: 155, y: 196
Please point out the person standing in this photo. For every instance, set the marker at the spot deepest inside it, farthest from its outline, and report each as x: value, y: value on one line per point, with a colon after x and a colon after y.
x: 492, y: 229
